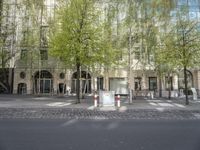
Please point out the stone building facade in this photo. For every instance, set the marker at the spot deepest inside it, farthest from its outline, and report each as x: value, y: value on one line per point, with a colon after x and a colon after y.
x: 47, y: 76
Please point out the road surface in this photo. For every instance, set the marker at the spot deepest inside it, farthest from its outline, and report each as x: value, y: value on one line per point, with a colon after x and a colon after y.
x: 76, y: 134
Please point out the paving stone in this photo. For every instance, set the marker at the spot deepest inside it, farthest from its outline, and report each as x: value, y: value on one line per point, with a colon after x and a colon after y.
x: 68, y: 113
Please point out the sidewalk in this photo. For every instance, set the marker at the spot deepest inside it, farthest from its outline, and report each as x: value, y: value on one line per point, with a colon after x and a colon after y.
x: 29, y: 101
x: 53, y: 107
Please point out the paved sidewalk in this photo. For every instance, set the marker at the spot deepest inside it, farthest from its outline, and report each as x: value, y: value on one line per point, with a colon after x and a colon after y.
x: 29, y: 101
x: 27, y: 106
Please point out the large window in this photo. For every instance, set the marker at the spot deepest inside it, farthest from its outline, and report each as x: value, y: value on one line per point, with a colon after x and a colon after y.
x: 152, y: 83
x: 119, y: 85
x: 44, y: 54
x: 24, y: 54
x: 44, y: 36
x: 99, y: 83
x: 182, y: 2
x: 193, y: 2
x: 168, y: 83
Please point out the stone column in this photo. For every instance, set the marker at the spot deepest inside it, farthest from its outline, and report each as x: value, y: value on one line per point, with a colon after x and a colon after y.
x: 93, y: 84
x: 198, y: 82
x: 55, y: 83
x: 175, y: 82
x: 144, y: 82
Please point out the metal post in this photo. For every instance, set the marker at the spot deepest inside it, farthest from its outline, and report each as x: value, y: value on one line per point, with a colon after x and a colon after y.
x: 118, y: 100
x: 95, y: 101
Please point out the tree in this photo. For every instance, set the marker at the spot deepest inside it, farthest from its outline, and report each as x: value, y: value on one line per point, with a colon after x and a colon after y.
x: 77, y: 36
x: 7, y: 44
x: 187, y: 45
x: 142, y: 32
x: 183, y: 40
x: 161, y: 60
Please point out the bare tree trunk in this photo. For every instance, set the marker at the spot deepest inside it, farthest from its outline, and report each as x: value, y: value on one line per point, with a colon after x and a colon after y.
x: 129, y: 66
x: 10, y: 79
x: 78, y: 66
x: 160, y: 85
x: 186, y: 88
x: 169, y: 84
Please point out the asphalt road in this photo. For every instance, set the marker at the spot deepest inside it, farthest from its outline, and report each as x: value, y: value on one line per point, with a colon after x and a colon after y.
x: 99, y: 134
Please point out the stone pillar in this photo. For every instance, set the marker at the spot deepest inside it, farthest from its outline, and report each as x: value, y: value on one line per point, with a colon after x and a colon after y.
x: 15, y: 81
x: 144, y: 82
x: 93, y: 84
x: 132, y: 81
x: 106, y: 81
x: 175, y: 82
x: 198, y: 82
x: 55, y: 83
x: 29, y: 87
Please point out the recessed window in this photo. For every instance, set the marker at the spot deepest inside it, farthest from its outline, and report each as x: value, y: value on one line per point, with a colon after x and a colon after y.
x: 24, y: 54
x: 62, y: 75
x: 44, y: 54
x: 22, y: 75
x: 152, y: 83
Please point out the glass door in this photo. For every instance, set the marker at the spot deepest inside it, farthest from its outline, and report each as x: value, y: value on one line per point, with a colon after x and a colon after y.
x: 45, y: 86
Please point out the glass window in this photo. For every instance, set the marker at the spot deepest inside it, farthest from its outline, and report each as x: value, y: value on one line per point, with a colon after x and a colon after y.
x: 182, y: 2
x: 44, y: 54
x: 137, y: 53
x: 168, y: 83
x: 192, y: 2
x: 192, y: 15
x: 22, y: 75
x: 24, y: 54
x: 44, y: 36
x: 193, y: 8
x: 119, y: 85
x: 99, y: 83
x: 62, y: 75
x: 152, y: 83
x: 198, y: 15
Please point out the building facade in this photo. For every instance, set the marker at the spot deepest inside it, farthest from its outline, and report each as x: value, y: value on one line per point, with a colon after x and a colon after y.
x: 36, y: 72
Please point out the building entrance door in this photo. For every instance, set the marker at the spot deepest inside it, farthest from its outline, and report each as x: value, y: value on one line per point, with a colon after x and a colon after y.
x: 85, y: 82
x: 43, y: 83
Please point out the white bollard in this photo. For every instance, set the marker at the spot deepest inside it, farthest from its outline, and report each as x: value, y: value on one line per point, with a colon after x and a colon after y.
x: 95, y: 100
x: 118, y: 100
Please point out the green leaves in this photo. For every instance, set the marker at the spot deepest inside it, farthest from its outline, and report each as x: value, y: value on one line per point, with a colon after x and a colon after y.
x: 80, y: 35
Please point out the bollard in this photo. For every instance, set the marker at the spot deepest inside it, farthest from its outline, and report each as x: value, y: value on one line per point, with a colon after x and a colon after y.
x: 118, y: 100
x: 95, y: 100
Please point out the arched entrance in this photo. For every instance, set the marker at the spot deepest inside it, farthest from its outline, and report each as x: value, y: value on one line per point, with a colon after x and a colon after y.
x: 22, y: 88
x: 85, y: 82
x: 43, y: 82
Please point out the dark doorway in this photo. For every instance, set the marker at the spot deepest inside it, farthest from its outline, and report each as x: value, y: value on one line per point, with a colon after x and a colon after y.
x: 22, y: 88
x: 62, y: 88
x: 137, y: 85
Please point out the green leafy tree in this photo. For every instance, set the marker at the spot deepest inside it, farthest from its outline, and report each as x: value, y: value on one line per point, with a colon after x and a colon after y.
x: 77, y: 36
x: 183, y: 43
x: 161, y: 60
x: 180, y: 46
x: 7, y: 53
